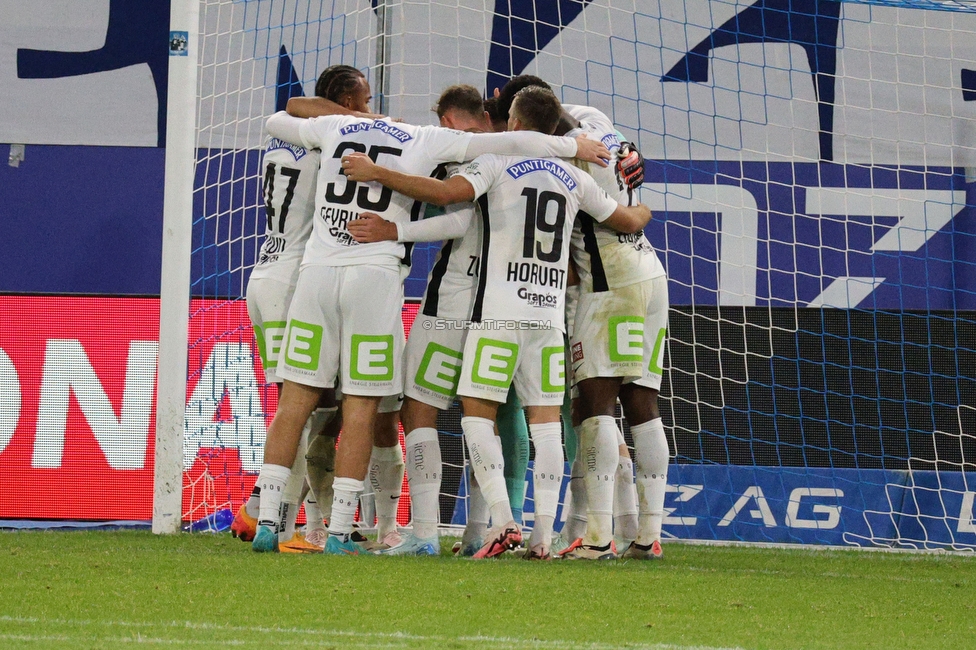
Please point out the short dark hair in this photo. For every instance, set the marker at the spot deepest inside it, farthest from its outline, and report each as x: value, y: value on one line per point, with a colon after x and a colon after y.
x: 461, y: 97
x: 336, y: 81
x: 537, y: 108
x: 491, y: 107
x: 514, y: 85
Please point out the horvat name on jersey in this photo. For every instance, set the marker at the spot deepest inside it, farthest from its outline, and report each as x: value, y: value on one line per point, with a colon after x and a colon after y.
x: 533, y: 273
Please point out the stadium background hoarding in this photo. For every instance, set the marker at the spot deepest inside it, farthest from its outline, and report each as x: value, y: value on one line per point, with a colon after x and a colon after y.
x: 813, y: 207
x: 885, y: 221
x: 76, y: 439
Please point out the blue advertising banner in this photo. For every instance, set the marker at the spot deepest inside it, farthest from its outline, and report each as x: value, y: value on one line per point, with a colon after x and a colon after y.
x: 814, y: 235
x: 779, y: 505
x: 835, y: 507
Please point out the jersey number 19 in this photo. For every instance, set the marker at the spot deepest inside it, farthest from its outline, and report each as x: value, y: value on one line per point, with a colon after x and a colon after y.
x: 536, y: 211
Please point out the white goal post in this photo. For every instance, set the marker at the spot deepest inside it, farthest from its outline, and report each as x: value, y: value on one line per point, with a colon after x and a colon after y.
x: 174, y: 302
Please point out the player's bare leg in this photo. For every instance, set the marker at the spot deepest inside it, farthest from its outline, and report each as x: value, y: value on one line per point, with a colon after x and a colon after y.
x: 652, y: 455
x: 352, y: 463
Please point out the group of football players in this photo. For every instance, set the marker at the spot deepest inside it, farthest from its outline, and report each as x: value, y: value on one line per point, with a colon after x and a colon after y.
x: 544, y: 258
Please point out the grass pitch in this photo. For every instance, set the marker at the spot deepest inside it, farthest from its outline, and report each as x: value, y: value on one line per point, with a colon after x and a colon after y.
x: 110, y: 590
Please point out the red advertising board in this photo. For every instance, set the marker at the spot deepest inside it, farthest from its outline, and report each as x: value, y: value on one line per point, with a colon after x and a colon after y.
x: 77, y: 407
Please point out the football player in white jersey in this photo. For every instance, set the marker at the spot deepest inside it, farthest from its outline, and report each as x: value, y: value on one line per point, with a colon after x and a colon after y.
x: 433, y: 350
x: 288, y: 187
x: 386, y: 467
x: 343, y: 90
x: 345, y: 317
x: 617, y: 350
x: 527, y: 208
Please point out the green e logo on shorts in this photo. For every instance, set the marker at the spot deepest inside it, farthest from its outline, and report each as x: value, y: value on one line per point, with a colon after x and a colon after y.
x: 654, y: 367
x: 494, y: 363
x: 371, y: 357
x: 439, y: 370
x: 304, y: 345
x: 626, y: 338
x: 553, y: 369
x: 269, y: 340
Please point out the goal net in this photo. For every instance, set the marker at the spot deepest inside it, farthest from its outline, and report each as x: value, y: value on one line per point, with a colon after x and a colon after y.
x: 810, y: 168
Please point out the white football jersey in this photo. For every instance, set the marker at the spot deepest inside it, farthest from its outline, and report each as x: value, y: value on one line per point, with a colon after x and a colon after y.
x: 403, y: 147
x: 288, y: 187
x: 607, y: 259
x: 452, y: 279
x: 528, y: 206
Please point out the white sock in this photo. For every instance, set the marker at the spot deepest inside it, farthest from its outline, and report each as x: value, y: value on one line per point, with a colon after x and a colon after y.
x: 253, y: 504
x: 478, y: 515
x: 652, y: 454
x: 314, y: 520
x: 598, y: 443
x: 424, y: 468
x: 489, y: 466
x: 547, y: 478
x: 575, y: 526
x: 272, y: 483
x: 386, y: 478
x: 625, y: 501
x: 325, y: 507
x: 344, y: 501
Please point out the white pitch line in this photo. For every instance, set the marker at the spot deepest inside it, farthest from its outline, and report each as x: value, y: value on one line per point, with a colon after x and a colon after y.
x: 401, y: 637
x: 119, y: 639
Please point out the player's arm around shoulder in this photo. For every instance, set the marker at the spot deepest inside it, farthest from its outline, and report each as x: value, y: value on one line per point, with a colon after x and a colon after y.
x: 320, y: 106
x: 283, y: 126
x: 629, y: 219
x: 622, y: 218
x: 360, y: 168
x: 592, y: 151
x: 371, y: 227
x: 300, y: 131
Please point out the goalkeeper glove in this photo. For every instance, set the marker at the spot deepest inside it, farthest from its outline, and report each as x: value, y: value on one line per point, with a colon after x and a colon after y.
x: 630, y: 166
